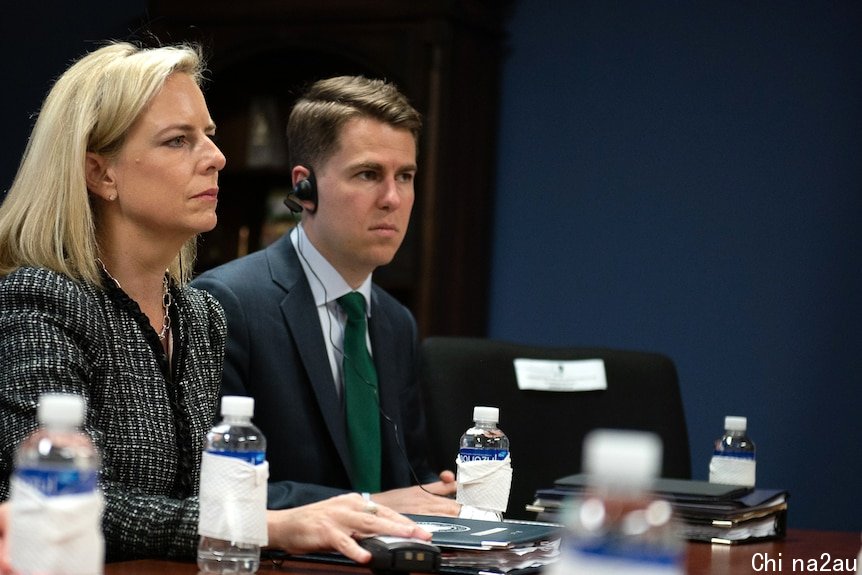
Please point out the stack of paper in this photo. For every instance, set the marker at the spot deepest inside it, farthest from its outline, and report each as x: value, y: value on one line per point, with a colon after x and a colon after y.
x: 477, y: 546
x: 708, y: 511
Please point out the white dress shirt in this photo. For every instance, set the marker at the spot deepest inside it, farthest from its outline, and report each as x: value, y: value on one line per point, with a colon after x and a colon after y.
x: 327, y: 286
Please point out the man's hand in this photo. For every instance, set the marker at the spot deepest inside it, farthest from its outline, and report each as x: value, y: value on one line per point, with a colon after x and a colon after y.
x: 429, y: 499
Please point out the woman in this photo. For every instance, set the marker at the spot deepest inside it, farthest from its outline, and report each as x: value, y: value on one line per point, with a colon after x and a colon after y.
x: 97, y: 243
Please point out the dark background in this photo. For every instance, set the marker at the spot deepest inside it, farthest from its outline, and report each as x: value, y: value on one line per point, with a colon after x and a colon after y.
x: 672, y: 176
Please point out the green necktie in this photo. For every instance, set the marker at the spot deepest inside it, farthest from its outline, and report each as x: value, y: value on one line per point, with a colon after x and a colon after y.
x: 360, y: 394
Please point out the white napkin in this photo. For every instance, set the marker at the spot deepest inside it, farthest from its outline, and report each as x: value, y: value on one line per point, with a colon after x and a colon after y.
x: 55, y: 534
x: 732, y: 470
x: 470, y: 512
x: 484, y: 483
x: 233, y: 499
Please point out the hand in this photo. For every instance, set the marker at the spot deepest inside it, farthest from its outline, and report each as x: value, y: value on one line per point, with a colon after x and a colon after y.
x: 448, y: 477
x: 5, y: 567
x: 429, y: 499
x: 335, y: 524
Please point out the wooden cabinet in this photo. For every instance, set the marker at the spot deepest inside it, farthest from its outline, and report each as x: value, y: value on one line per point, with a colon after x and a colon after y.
x: 444, y: 55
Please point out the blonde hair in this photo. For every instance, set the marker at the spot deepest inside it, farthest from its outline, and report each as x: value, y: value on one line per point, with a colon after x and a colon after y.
x: 46, y: 219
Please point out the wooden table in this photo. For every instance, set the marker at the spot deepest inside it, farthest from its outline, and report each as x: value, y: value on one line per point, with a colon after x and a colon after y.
x: 793, y: 554
x: 802, y: 551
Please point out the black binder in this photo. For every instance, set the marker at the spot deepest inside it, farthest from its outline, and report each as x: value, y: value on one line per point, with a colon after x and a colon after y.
x: 473, y: 546
x: 713, y: 512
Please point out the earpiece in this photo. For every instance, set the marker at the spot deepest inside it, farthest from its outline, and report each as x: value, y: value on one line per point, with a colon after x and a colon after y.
x: 304, y: 191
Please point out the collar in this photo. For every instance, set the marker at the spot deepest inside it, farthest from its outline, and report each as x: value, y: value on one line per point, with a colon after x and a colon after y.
x: 326, y: 283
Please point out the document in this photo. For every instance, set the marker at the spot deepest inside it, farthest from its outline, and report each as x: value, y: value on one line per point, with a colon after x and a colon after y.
x: 710, y: 512
x: 479, y: 546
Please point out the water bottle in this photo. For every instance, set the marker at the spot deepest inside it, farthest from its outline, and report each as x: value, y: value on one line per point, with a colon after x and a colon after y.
x: 230, y: 476
x: 483, y: 488
x: 55, y: 509
x: 733, y: 461
x: 484, y: 441
x: 618, y: 525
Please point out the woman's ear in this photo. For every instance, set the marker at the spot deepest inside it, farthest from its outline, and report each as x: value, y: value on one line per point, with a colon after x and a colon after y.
x: 100, y: 182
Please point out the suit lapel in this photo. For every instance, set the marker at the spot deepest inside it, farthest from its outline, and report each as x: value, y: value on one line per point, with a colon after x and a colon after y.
x: 303, y: 322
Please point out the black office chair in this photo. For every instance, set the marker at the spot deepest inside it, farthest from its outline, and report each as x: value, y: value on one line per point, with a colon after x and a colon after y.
x: 546, y: 429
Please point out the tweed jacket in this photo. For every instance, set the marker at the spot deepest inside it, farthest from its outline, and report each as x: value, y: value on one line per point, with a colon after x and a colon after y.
x: 147, y: 419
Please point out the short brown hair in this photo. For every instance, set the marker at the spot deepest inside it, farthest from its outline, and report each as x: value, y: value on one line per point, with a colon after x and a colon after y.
x: 316, y: 119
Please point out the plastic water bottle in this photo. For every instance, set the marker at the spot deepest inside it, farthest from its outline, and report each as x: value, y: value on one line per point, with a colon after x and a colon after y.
x: 618, y: 526
x: 484, y: 441
x: 484, y: 467
x: 235, y: 437
x: 733, y: 461
x: 55, y: 510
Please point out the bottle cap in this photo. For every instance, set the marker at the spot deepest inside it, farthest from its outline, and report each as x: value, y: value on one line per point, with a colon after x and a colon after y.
x: 735, y: 423
x: 617, y: 456
x: 63, y: 409
x: 237, y: 405
x: 482, y: 413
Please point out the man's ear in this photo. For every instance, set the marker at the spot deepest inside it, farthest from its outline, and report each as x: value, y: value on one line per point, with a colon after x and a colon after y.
x: 99, y: 179
x: 299, y: 173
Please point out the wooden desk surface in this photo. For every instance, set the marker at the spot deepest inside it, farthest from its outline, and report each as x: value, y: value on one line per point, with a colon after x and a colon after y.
x: 802, y: 551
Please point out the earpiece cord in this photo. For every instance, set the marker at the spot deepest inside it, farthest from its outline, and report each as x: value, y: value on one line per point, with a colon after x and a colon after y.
x: 335, y: 347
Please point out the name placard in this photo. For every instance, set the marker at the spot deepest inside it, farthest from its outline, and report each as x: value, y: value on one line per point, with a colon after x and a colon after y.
x: 557, y: 375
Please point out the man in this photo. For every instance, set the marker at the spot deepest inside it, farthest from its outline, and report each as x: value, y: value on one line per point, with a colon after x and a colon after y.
x: 336, y: 419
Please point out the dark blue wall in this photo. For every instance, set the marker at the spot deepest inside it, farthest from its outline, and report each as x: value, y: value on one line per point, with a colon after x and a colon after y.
x: 39, y: 39
x: 686, y: 177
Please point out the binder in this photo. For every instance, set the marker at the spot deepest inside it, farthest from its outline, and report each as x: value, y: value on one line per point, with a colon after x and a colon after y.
x: 478, y: 547
x: 716, y: 513
x: 479, y: 534
x: 472, y: 546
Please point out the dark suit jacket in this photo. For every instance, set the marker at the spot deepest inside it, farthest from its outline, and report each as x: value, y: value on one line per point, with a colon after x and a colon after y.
x: 276, y: 353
